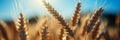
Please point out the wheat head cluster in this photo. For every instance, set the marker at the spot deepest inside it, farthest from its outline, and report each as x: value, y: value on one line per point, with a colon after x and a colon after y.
x: 55, y: 27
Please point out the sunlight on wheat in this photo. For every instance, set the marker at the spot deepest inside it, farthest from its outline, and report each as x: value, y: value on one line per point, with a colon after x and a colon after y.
x: 55, y: 27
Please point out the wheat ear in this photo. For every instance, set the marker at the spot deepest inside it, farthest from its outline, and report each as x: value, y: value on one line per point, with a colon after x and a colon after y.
x: 63, y: 34
x: 45, y: 35
x: 95, y: 30
x: 58, y: 17
x: 22, y: 28
x: 94, y: 19
x: 76, y: 15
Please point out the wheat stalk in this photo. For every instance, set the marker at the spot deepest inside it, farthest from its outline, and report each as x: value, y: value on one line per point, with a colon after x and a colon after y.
x: 58, y: 17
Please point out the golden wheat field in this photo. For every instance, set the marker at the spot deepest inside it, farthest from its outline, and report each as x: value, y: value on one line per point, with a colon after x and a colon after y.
x: 56, y: 27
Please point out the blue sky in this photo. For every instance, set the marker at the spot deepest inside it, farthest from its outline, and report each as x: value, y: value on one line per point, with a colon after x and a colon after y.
x: 11, y: 8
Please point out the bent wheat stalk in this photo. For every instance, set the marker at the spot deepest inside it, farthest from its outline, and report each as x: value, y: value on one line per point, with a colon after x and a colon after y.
x: 58, y: 17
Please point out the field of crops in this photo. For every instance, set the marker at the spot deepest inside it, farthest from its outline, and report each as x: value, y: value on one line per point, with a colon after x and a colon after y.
x: 95, y: 26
